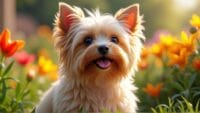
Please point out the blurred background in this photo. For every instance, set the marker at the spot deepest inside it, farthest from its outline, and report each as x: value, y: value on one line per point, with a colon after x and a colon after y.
x: 159, y: 15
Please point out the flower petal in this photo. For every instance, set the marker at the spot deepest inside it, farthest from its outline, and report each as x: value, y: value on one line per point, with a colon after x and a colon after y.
x: 5, y: 38
x: 13, y: 47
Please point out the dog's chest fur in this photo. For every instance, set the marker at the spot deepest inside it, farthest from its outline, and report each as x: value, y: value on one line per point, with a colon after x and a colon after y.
x: 69, y: 96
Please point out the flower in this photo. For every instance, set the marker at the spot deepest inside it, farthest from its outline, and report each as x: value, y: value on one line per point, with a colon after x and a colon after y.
x: 187, y: 42
x: 196, y: 63
x: 179, y: 59
x: 31, y: 75
x: 24, y: 58
x: 9, y: 47
x: 45, y: 66
x: 178, y: 53
x: 195, y: 21
x: 167, y: 41
x: 153, y: 91
x: 157, y: 50
x: 142, y: 64
x: 145, y: 53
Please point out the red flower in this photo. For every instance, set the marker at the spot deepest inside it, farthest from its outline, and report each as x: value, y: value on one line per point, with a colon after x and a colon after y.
x: 24, y: 58
x: 196, y: 63
x: 9, y: 47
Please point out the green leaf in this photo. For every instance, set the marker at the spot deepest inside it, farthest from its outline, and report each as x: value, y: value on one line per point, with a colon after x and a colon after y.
x: 4, y: 90
x: 177, y: 86
x: 181, y: 106
x: 8, y: 68
x: 21, y: 107
x: 25, y: 93
x: 191, y: 81
x: 18, y: 89
x: 33, y: 111
x: 153, y: 110
x: 11, y: 78
x: 196, y: 94
x: 189, y: 105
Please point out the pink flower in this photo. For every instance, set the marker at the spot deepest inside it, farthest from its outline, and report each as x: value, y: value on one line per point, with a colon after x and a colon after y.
x: 23, y: 58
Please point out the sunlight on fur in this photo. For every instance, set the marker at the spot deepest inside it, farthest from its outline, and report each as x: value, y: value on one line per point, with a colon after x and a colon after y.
x: 98, y: 56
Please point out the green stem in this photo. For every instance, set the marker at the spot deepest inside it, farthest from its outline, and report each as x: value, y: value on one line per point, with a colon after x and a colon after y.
x: 1, y: 64
x: 23, y: 90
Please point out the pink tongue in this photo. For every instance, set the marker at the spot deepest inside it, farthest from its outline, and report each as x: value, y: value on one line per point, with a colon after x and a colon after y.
x: 103, y: 63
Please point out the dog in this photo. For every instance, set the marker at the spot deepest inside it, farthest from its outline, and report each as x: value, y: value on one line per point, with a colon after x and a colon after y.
x: 98, y: 56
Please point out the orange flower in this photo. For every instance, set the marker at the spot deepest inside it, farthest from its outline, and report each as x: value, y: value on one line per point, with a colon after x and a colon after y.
x: 196, y: 63
x: 187, y: 42
x: 145, y: 53
x: 9, y: 47
x: 143, y: 64
x: 179, y: 59
x: 153, y: 91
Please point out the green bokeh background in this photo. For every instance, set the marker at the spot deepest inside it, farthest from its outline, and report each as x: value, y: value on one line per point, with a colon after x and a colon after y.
x: 158, y: 14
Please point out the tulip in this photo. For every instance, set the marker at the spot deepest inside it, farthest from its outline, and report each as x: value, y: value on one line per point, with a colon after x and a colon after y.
x: 9, y: 47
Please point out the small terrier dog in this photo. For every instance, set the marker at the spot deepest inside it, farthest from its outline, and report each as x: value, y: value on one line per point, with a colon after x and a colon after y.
x: 98, y: 57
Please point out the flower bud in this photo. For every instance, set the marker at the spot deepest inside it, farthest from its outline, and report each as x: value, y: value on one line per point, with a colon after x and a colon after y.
x: 193, y: 30
x: 30, y: 75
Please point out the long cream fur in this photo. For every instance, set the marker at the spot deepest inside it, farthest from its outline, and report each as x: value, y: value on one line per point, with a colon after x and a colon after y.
x: 99, y: 90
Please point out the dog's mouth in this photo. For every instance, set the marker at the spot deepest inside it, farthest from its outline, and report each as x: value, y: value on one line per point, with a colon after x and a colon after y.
x: 103, y: 63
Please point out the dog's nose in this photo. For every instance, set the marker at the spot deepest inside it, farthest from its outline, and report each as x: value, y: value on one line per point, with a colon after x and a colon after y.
x: 103, y: 49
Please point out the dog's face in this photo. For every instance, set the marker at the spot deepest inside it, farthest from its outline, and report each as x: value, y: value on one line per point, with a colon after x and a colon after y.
x: 98, y: 48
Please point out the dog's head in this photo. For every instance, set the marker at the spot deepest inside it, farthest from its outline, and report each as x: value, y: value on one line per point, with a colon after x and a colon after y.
x: 98, y: 48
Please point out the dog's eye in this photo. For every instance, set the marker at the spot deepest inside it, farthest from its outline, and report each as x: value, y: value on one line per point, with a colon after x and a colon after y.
x: 88, y: 40
x: 114, y: 39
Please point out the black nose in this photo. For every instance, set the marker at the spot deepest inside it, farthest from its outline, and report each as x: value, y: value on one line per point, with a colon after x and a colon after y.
x: 103, y: 49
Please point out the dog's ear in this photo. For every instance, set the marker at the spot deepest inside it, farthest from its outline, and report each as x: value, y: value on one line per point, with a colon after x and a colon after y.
x: 68, y: 15
x: 129, y: 16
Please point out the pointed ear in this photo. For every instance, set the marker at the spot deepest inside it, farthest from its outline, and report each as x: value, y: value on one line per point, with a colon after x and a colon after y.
x: 68, y: 15
x: 129, y: 16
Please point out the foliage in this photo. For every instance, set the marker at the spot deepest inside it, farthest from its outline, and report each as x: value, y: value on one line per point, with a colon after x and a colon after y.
x: 181, y: 106
x: 176, y: 64
x: 20, y: 88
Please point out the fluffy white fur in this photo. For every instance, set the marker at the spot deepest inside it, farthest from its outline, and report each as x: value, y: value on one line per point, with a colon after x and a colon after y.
x: 81, y: 84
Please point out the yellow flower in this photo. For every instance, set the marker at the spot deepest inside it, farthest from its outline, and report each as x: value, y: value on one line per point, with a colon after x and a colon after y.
x: 167, y: 41
x: 195, y: 21
x: 153, y: 91
x: 45, y: 66
x: 157, y: 50
x: 188, y: 42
